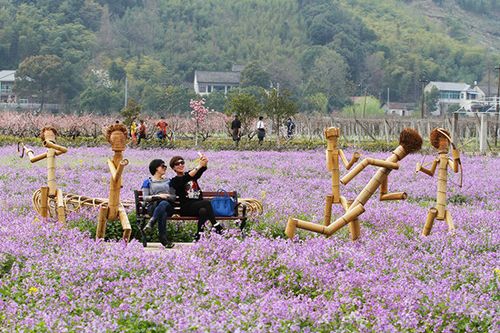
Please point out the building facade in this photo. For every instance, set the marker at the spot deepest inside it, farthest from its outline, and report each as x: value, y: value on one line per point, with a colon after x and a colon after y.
x: 7, y: 78
x: 465, y: 96
x: 208, y: 82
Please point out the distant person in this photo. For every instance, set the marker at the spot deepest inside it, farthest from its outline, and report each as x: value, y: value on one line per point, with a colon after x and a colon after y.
x: 133, y: 131
x: 236, y: 129
x: 142, y: 132
x: 162, y: 126
x: 290, y: 127
x: 261, y: 129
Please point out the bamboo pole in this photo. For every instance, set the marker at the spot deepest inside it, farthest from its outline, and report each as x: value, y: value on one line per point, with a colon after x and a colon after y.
x: 127, y: 229
x: 52, y: 145
x: 328, y: 210
x: 431, y: 215
x: 61, y: 214
x: 45, y: 202
x: 101, y: 223
x: 51, y: 172
x: 449, y: 221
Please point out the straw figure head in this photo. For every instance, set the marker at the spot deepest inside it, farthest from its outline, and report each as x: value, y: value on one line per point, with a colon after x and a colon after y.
x: 410, y: 140
x: 48, y: 133
x: 116, y: 134
x: 440, y: 138
x: 332, y: 134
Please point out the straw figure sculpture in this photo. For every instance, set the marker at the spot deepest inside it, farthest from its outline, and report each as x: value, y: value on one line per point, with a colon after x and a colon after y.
x: 333, y: 153
x: 48, y: 135
x: 409, y: 141
x: 441, y: 140
x: 113, y: 209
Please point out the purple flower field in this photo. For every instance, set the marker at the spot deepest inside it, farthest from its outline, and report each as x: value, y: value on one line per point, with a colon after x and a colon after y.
x: 54, y: 279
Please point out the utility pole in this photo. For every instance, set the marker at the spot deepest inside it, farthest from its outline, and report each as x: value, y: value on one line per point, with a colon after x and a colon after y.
x: 422, y: 111
x: 126, y: 90
x: 498, y: 106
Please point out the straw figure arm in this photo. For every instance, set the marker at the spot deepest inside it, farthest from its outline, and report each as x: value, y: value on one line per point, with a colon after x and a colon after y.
x: 349, y: 164
x: 56, y: 147
x: 430, y: 171
x: 22, y: 148
x: 116, y: 173
x: 390, y: 196
x: 366, y: 162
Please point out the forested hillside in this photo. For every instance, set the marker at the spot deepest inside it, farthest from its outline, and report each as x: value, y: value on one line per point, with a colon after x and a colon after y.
x: 317, y: 49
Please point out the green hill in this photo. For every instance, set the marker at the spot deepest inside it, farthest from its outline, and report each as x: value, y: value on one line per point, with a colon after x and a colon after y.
x: 336, y: 48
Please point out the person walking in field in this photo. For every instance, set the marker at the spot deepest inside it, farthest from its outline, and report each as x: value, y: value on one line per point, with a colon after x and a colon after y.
x: 141, y: 132
x: 261, y: 130
x: 162, y: 126
x: 236, y: 129
x: 290, y: 127
x: 133, y: 131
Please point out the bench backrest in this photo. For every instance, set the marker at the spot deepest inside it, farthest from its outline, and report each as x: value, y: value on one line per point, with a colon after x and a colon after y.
x: 141, y: 209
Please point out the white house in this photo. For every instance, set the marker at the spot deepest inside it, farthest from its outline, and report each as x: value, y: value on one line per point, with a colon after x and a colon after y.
x: 399, y: 109
x: 207, y: 82
x: 7, y: 78
x: 462, y: 94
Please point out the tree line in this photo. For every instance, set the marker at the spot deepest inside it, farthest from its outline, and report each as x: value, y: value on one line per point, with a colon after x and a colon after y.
x: 79, y: 53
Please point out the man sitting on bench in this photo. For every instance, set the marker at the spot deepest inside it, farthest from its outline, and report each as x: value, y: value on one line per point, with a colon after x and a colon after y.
x: 158, y: 194
x: 189, y: 193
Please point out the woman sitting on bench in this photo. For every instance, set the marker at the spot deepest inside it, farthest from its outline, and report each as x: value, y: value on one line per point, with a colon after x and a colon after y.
x: 158, y: 194
x: 189, y: 193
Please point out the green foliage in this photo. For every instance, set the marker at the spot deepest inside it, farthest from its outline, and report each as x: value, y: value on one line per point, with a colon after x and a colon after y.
x: 131, y: 112
x: 216, y: 101
x: 310, y: 47
x: 279, y: 106
x: 40, y: 75
x: 175, y: 100
x: 364, y: 107
x: 431, y: 100
x: 245, y: 105
x: 254, y: 75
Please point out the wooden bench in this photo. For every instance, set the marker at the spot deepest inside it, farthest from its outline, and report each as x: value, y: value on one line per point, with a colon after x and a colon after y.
x: 240, y: 212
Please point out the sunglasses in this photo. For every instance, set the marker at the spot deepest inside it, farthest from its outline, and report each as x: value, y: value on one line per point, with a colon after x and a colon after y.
x: 163, y: 166
x: 179, y: 163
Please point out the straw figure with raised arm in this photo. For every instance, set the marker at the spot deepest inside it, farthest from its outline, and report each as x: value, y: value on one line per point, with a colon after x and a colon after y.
x: 333, y: 153
x: 48, y: 135
x: 441, y: 140
x: 409, y: 142
x: 116, y: 135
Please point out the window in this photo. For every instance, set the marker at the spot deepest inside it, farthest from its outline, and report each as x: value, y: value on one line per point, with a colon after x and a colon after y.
x: 449, y: 94
x: 7, y: 87
x: 202, y: 88
x: 219, y: 88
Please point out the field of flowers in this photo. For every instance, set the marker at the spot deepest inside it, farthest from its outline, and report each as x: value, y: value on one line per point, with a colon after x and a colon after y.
x: 54, y: 279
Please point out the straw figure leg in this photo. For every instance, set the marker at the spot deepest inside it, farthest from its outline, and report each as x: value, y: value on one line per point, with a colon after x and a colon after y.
x: 101, y: 222
x: 127, y: 229
x: 354, y: 226
x: 449, y: 221
x: 44, y: 205
x: 328, y: 210
x: 429, y: 222
x: 61, y: 213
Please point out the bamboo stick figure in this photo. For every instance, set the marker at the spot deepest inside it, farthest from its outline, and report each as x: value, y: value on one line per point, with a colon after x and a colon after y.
x: 48, y: 135
x: 440, y: 139
x: 332, y: 164
x: 116, y: 134
x: 409, y: 142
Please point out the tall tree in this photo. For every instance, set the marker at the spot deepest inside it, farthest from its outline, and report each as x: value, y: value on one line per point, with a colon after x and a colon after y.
x: 41, y: 76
